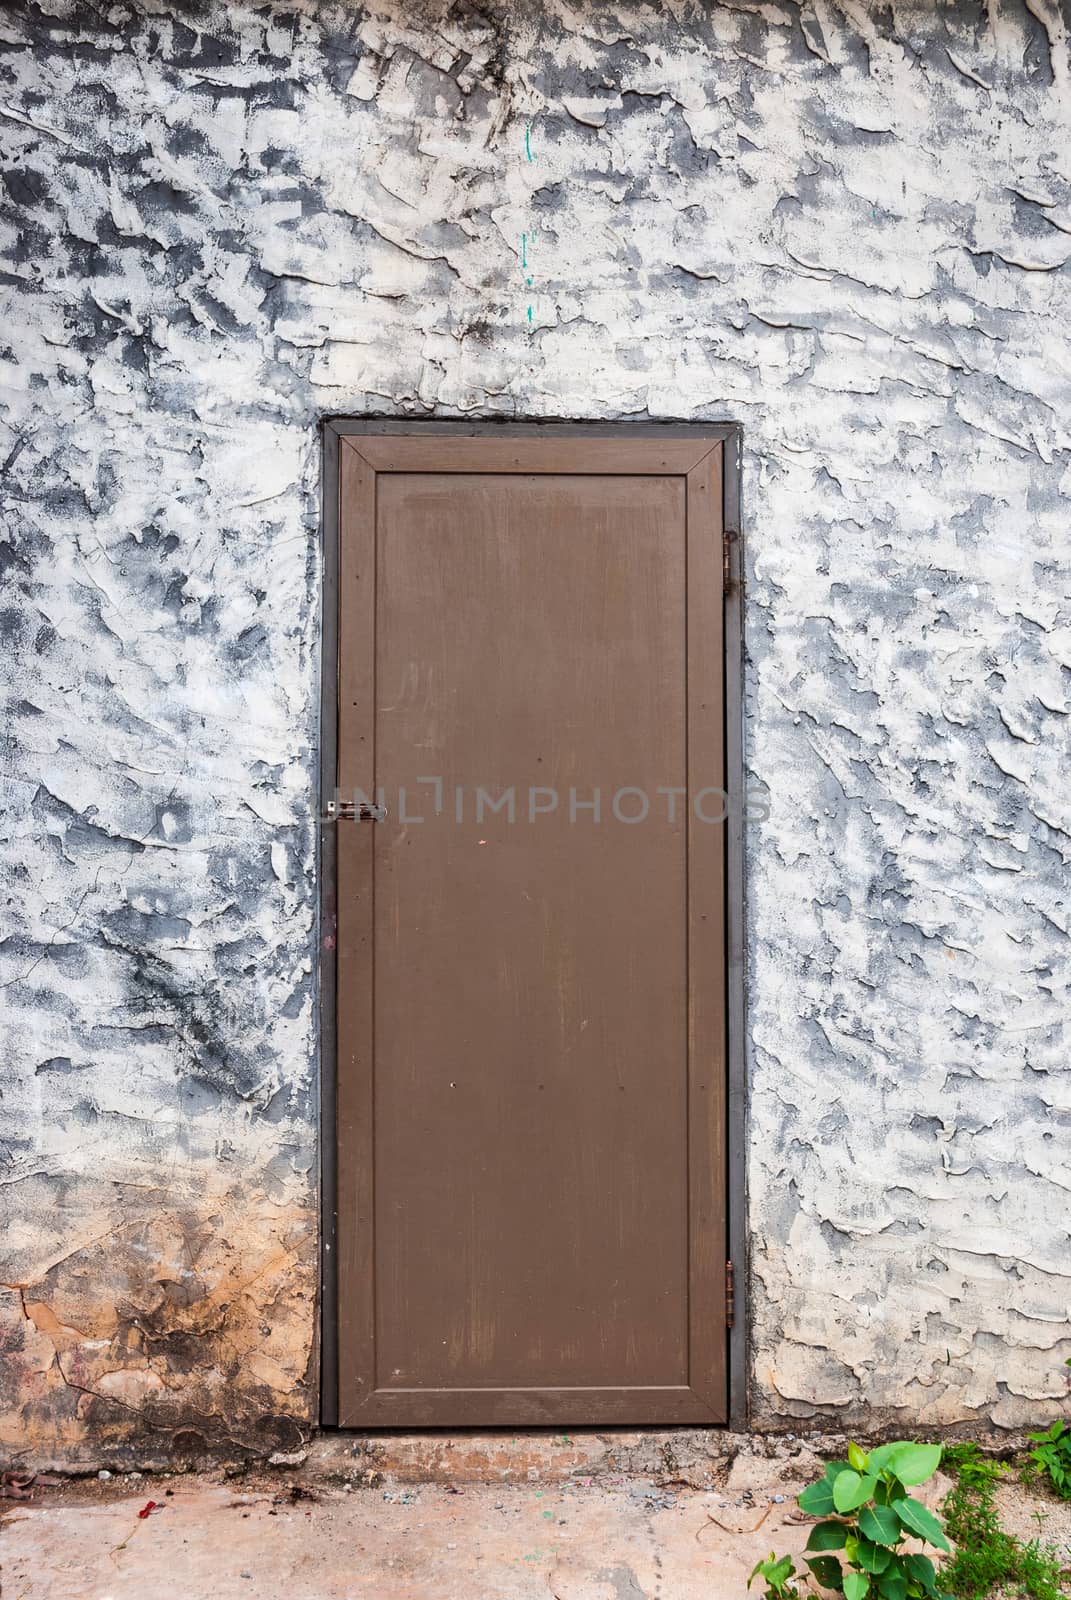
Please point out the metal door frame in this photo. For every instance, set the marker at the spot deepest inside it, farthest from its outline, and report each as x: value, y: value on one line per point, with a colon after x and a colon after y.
x: 334, y: 429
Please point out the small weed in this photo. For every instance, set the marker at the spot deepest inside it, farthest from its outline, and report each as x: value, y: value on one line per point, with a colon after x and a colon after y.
x: 1053, y: 1457
x: 869, y: 1516
x: 861, y: 1548
x: 970, y: 1468
x: 987, y: 1559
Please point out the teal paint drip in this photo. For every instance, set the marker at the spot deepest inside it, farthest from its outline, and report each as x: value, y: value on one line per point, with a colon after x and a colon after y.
x: 524, y: 264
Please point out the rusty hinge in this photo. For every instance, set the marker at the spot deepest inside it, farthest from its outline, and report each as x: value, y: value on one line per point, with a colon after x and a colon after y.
x: 350, y: 811
x: 730, y: 1295
x: 726, y: 558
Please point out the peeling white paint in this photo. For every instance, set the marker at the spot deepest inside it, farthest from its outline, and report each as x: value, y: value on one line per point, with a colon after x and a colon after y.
x: 221, y: 226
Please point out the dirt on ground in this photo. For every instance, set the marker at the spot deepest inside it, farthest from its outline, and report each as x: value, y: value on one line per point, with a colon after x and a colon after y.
x: 1032, y: 1512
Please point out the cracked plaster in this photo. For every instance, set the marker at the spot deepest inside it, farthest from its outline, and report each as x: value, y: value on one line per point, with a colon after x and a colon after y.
x: 846, y: 227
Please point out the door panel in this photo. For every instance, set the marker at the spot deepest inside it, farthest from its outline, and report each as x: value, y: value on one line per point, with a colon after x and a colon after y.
x: 530, y: 1005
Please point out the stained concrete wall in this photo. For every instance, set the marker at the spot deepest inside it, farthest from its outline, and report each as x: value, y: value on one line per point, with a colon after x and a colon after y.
x: 846, y: 227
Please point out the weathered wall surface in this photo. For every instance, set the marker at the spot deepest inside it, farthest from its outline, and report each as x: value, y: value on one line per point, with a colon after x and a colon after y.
x: 846, y: 227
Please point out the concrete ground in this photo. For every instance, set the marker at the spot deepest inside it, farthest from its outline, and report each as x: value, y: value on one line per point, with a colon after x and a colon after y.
x: 294, y: 1534
x: 291, y: 1536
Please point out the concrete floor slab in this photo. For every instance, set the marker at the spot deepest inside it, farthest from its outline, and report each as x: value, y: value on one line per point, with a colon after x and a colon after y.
x: 635, y: 1540
x: 332, y: 1527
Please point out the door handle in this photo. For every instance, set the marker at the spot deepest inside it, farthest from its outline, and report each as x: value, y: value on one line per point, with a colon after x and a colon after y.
x: 350, y: 811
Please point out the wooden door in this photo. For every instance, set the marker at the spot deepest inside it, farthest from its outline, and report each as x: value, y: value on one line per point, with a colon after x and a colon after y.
x: 531, y: 1014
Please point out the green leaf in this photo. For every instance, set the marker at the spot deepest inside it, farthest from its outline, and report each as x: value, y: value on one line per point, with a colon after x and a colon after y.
x: 856, y: 1585
x: 873, y: 1557
x: 817, y: 1500
x: 893, y: 1586
x: 917, y: 1519
x: 827, y: 1536
x: 844, y: 1486
x: 922, y: 1569
x: 880, y: 1523
x: 835, y: 1468
x: 856, y: 1458
x: 850, y: 1490
x: 774, y: 1571
x: 827, y: 1570
x: 881, y: 1456
x: 913, y: 1463
x: 1052, y: 1433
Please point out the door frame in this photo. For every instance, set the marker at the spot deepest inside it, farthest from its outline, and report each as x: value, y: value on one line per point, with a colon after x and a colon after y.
x: 730, y: 434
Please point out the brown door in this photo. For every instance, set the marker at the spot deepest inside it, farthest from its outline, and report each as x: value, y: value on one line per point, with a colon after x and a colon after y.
x: 531, y: 1021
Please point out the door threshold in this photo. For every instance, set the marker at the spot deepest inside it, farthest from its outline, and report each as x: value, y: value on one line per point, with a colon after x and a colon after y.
x: 695, y: 1457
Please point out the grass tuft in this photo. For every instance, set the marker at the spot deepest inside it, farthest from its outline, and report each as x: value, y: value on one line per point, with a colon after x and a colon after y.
x: 987, y: 1559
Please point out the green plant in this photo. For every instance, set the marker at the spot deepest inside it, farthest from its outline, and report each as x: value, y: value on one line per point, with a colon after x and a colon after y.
x: 967, y: 1464
x: 987, y: 1559
x: 780, y: 1576
x: 1053, y: 1457
x: 867, y: 1517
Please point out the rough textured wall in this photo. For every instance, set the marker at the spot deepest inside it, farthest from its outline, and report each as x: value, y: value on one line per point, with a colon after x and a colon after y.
x: 845, y: 226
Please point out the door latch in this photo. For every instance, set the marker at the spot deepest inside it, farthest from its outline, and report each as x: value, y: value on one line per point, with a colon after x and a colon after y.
x: 350, y: 811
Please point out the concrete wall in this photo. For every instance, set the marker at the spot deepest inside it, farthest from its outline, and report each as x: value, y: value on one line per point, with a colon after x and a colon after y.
x: 846, y: 227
